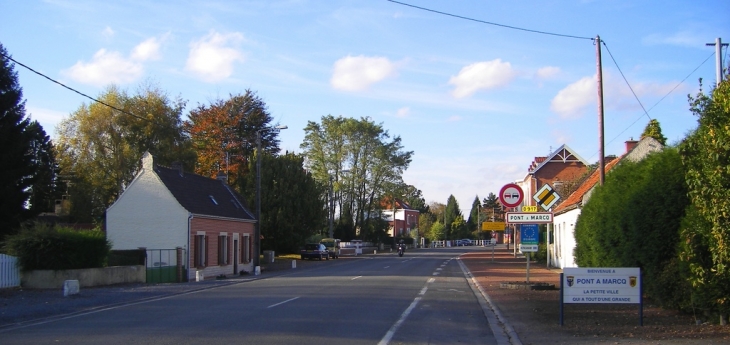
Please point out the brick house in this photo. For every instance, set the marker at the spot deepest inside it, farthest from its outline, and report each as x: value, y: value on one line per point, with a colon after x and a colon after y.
x: 405, y: 220
x: 167, y: 208
x: 561, y: 166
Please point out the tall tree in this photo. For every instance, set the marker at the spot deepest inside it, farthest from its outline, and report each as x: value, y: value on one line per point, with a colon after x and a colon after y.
x: 101, y: 147
x: 224, y: 134
x: 451, y: 213
x: 365, y: 164
x: 653, y: 130
x: 292, y: 203
x: 45, y: 189
x: 706, y: 157
x: 472, y: 224
x: 16, y: 175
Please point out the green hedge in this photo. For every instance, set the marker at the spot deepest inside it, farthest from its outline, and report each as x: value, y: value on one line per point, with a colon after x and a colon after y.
x: 43, y: 247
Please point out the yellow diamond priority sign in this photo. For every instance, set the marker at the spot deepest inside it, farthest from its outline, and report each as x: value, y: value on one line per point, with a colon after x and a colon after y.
x: 546, y: 197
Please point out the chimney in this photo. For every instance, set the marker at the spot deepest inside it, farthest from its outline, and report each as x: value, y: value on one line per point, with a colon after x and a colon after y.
x: 222, y: 177
x: 630, y: 144
x: 178, y: 166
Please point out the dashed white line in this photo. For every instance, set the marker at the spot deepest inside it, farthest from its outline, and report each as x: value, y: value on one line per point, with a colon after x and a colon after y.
x: 280, y: 303
x: 358, y: 277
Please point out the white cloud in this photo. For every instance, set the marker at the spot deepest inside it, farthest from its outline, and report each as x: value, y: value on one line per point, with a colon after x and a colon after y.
x: 454, y: 118
x: 571, y: 101
x: 147, y: 50
x: 356, y: 73
x: 105, y: 68
x: 481, y: 75
x: 403, y: 112
x: 212, y: 57
x: 547, y: 72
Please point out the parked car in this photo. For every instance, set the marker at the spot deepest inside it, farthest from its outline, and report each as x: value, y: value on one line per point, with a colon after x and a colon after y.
x: 315, y: 250
x: 464, y: 242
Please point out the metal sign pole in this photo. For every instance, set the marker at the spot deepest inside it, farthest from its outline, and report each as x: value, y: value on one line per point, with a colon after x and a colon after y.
x: 528, y: 266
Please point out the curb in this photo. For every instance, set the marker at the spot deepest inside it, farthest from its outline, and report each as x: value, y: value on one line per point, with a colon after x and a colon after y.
x: 502, y: 325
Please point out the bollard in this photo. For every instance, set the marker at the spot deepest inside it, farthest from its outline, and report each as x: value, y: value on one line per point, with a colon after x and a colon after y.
x: 71, y: 287
x: 257, y: 270
x: 199, y: 277
x: 375, y: 251
x: 294, y: 264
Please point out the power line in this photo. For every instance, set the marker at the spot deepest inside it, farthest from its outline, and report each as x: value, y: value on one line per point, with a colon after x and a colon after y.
x: 79, y: 92
x: 627, y: 82
x: 660, y: 100
x: 491, y: 23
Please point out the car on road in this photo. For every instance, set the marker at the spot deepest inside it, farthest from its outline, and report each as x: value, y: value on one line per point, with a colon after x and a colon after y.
x: 333, y: 246
x: 464, y: 242
x: 315, y: 250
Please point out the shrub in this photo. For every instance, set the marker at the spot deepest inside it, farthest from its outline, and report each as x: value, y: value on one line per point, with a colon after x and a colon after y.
x: 41, y: 246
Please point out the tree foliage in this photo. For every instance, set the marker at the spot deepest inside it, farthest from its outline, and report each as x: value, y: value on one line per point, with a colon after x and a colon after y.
x: 633, y: 220
x: 292, y: 206
x: 16, y: 175
x: 365, y: 165
x: 101, y: 147
x: 473, y: 222
x: 653, y: 130
x: 45, y: 189
x: 451, y: 213
x: 224, y: 134
x: 706, y: 158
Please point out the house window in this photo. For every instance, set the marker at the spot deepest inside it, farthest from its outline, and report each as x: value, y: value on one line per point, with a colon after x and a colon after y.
x: 246, y: 249
x: 223, y: 249
x: 200, y: 251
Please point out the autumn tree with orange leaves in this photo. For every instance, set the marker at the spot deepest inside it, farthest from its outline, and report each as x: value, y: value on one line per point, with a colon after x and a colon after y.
x: 224, y: 134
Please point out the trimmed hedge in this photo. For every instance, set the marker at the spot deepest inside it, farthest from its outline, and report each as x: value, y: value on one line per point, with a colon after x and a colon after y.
x: 44, y: 247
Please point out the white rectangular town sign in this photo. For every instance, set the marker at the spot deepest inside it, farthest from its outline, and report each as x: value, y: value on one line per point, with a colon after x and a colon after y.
x: 602, y: 285
x: 529, y: 217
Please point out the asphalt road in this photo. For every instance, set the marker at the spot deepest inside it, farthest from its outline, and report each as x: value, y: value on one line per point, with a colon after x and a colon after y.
x: 422, y: 298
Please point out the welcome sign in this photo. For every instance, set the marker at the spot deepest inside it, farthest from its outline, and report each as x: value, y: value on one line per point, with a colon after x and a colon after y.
x: 602, y: 285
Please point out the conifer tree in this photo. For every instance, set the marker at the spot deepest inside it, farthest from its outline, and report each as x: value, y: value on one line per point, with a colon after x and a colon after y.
x: 15, y: 154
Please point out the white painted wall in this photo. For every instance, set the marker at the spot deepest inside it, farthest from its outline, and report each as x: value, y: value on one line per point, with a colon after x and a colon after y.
x: 564, y: 239
x: 147, y: 215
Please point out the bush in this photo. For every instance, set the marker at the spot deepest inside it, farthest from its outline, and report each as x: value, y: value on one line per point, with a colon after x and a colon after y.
x: 41, y: 246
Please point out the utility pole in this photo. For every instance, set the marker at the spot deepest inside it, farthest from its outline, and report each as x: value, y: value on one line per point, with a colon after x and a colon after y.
x: 718, y: 58
x: 599, y: 77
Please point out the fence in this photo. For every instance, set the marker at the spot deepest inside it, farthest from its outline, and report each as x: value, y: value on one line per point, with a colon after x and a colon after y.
x: 165, y: 265
x: 9, y: 271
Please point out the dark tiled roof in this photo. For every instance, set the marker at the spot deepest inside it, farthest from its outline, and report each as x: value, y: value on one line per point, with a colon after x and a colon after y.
x: 202, y: 195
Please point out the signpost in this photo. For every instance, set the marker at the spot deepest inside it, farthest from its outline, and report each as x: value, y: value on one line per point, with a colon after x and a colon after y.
x: 493, y: 226
x: 529, y: 217
x: 601, y: 285
x: 529, y: 237
x: 511, y: 195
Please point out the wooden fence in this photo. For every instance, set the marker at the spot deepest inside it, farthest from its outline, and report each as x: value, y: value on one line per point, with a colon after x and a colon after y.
x: 9, y: 271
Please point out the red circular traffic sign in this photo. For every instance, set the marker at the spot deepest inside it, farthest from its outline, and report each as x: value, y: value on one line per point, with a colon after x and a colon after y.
x: 511, y: 195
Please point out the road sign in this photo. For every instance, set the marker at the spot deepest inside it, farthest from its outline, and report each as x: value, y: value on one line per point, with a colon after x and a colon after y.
x: 546, y: 197
x: 493, y: 226
x: 528, y: 248
x: 511, y: 195
x: 529, y: 234
x: 529, y: 217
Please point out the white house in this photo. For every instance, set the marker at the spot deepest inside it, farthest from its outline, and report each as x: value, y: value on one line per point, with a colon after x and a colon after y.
x: 167, y: 208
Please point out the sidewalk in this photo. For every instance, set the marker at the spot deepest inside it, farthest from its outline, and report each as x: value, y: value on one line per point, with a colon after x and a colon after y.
x: 534, y: 314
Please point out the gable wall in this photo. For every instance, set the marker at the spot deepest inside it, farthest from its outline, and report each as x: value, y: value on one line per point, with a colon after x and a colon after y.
x: 551, y: 172
x: 147, y: 215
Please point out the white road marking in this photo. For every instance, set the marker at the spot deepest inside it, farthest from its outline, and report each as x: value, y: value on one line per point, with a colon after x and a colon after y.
x: 386, y: 267
x: 280, y: 303
x: 356, y: 277
x: 391, y: 332
x: 431, y: 280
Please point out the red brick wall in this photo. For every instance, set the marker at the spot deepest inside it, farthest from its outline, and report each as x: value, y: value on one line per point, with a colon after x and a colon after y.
x: 213, y: 228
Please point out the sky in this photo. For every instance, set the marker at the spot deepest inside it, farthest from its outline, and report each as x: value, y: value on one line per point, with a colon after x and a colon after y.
x: 475, y: 102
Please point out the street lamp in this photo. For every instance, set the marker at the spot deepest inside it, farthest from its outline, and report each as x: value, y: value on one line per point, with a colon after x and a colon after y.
x: 257, y: 233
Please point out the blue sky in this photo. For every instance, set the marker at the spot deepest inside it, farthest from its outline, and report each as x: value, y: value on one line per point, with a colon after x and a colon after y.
x: 475, y: 102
